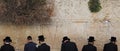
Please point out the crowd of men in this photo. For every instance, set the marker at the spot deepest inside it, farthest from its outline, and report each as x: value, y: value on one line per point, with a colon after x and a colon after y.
x: 66, y: 45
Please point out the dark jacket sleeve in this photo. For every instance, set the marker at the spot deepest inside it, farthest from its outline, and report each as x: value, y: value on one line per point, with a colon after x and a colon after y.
x: 116, y: 48
x: 13, y: 49
x: 1, y: 49
x: 104, y: 49
x: 48, y: 48
x: 83, y: 49
x: 76, y: 49
x: 62, y: 47
x: 95, y: 49
x: 25, y: 47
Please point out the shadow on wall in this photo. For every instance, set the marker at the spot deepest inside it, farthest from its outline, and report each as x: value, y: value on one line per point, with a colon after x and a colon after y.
x: 25, y: 12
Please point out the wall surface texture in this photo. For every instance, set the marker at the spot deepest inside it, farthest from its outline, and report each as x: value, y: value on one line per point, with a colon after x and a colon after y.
x: 71, y: 18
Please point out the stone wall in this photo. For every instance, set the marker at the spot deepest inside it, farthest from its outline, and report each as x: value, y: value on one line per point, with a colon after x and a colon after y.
x: 71, y: 18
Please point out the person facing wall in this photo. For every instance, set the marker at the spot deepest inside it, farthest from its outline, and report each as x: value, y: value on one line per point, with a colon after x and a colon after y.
x: 7, y: 45
x: 30, y: 45
x: 42, y: 45
x: 111, y: 46
x: 90, y: 46
x: 67, y: 45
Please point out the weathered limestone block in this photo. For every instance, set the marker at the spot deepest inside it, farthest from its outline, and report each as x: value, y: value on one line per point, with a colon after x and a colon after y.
x: 71, y: 18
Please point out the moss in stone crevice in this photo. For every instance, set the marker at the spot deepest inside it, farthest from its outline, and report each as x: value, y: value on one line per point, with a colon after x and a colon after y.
x: 94, y: 6
x: 26, y: 12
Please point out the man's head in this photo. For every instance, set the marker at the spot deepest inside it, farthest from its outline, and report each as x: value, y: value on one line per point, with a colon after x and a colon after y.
x: 41, y: 38
x: 7, y: 40
x: 65, y: 39
x: 29, y: 38
x: 113, y: 39
x: 91, y: 40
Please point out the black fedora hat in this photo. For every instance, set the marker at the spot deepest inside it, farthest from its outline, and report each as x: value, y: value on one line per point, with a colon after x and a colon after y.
x: 91, y: 39
x: 7, y: 39
x: 41, y: 37
x: 113, y: 39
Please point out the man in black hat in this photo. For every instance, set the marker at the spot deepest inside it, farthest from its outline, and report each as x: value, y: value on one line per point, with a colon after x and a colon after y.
x: 43, y: 46
x: 90, y: 46
x: 111, y: 46
x: 67, y: 45
x: 7, y: 46
x: 30, y: 45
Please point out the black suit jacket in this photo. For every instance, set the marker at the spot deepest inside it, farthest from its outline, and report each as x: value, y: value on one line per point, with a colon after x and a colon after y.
x: 89, y: 47
x: 7, y: 47
x: 69, y: 46
x: 31, y: 46
x: 43, y: 47
x: 110, y: 47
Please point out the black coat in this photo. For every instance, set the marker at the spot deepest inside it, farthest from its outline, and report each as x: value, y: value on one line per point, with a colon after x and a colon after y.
x: 43, y: 47
x: 31, y: 46
x: 69, y: 46
x: 89, y: 47
x: 110, y: 47
x: 7, y: 47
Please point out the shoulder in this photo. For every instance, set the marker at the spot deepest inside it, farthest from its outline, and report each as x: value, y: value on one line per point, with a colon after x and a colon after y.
x: 2, y: 46
x: 7, y: 46
x: 89, y: 46
x: 72, y: 43
x: 44, y: 44
x: 10, y: 45
x: 109, y: 44
x: 85, y: 45
x: 47, y: 45
x: 31, y: 43
x: 106, y: 44
x: 34, y: 43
